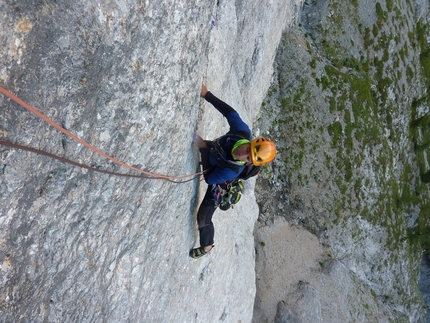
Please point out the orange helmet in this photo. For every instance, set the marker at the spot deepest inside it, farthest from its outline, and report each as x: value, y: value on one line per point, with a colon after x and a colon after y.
x: 263, y: 151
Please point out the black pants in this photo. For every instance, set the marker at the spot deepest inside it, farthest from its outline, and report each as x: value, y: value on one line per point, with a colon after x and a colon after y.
x: 204, y: 218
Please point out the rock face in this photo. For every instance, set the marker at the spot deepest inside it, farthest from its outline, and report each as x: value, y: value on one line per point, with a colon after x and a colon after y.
x: 299, y: 280
x: 340, y: 106
x: 425, y: 282
x: 125, y: 76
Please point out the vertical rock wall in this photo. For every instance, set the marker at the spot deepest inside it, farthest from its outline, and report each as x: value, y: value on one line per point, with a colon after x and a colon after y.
x: 79, y: 246
x: 333, y: 181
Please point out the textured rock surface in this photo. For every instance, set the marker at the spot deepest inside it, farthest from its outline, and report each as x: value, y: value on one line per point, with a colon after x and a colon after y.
x: 312, y: 286
x: 366, y: 271
x: 78, y: 246
x: 425, y: 282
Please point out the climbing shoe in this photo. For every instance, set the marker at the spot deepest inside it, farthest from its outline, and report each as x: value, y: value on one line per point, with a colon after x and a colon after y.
x: 198, y: 252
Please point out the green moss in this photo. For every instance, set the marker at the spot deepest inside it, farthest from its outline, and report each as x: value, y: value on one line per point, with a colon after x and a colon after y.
x: 348, y: 170
x: 368, y: 40
x: 375, y: 31
x: 409, y: 74
x: 313, y: 63
x: 380, y: 14
x: 335, y: 131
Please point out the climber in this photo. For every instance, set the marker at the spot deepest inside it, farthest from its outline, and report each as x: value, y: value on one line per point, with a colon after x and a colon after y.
x: 232, y: 156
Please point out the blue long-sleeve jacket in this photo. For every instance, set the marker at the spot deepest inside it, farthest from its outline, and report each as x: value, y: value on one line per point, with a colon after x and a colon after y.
x: 219, y: 174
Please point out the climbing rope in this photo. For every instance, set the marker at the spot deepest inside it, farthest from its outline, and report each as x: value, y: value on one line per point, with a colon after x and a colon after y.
x: 148, y: 175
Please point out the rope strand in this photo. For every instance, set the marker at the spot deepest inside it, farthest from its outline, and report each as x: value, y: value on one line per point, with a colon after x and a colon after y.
x: 175, y: 179
x: 68, y: 161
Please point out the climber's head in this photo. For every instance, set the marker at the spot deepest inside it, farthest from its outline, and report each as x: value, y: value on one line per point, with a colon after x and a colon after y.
x: 259, y: 151
x: 241, y: 151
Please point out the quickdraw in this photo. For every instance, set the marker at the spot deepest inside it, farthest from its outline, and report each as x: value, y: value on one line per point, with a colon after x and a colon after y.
x: 228, y: 197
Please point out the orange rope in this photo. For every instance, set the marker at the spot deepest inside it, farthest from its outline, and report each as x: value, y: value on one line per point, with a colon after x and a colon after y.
x: 116, y: 161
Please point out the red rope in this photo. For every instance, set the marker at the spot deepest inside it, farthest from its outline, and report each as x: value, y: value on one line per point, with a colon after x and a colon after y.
x: 98, y: 151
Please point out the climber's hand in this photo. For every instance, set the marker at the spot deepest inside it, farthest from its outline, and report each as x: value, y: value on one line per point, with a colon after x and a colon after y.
x: 203, y: 91
x: 199, y: 142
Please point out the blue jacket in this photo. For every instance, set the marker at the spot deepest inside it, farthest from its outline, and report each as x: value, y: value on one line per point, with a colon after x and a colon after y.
x: 219, y: 174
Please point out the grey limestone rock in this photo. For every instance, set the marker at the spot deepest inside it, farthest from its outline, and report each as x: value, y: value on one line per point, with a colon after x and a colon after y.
x: 125, y: 76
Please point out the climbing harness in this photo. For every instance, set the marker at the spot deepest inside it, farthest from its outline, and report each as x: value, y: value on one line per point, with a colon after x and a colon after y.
x: 148, y: 175
x: 230, y: 195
